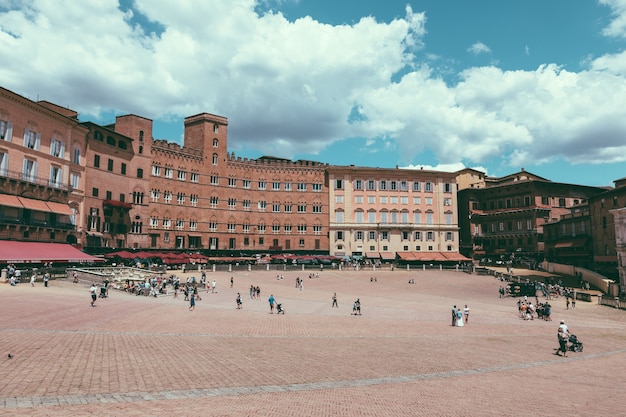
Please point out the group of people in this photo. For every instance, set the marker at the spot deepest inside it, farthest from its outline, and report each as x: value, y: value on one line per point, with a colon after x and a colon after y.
x: 15, y: 276
x: 460, y: 317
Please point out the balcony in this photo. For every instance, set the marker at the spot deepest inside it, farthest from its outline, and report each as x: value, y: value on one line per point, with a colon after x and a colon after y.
x: 45, y: 224
x: 31, y: 179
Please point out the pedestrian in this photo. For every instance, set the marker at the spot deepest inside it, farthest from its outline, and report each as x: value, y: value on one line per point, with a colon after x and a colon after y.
x: 335, y: 300
x: 33, y: 278
x: 192, y: 302
x: 93, y: 290
x: 213, y: 286
x: 238, y: 301
x: 271, y: 301
x: 454, y: 315
x: 231, y: 282
x: 466, y: 313
x: 574, y: 301
x: 563, y: 336
x: 46, y: 278
x: 567, y: 302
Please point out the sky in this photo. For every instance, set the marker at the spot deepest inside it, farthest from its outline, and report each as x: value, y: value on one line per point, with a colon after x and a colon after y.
x: 440, y: 84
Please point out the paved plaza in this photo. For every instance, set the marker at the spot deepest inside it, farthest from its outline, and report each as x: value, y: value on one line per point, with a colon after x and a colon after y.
x: 145, y: 356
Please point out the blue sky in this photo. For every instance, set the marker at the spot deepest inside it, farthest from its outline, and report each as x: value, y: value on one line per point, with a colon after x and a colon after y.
x: 494, y: 85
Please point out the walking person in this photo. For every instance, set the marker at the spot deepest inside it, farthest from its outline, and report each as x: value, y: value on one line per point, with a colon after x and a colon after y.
x: 231, y: 282
x: 238, y: 300
x: 192, y: 302
x: 335, y: 300
x: 33, y: 278
x: 454, y: 315
x: 94, y: 296
x: 271, y: 301
x: 46, y: 278
x: 563, y: 336
x: 466, y: 311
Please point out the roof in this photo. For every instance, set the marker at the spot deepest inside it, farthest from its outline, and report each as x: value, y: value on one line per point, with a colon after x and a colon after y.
x: 37, y: 252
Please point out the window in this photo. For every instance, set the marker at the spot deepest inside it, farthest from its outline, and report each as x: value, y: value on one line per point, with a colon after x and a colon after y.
x: 317, y: 230
x: 109, y: 195
x: 288, y: 208
x: 57, y: 148
x: 358, y: 199
x: 276, y: 207
x: 545, y: 200
x: 429, y: 218
x: 262, y: 205
x: 301, y: 208
x: 404, y: 186
x: 167, y: 196
x: 405, y: 217
x: 139, y: 173
x: 56, y: 176
x: 417, y: 217
x: 393, y: 200
x: 384, y: 217
x: 371, y: 235
x: 246, y: 204
x: 276, y: 186
x: 6, y: 128
x: 358, y: 217
x: 182, y: 175
x: 193, y: 199
x: 287, y: 229
x: 180, y: 198
x: 167, y: 223
x: 339, y: 216
x: 76, y: 156
x: 94, y: 192
x: 317, y: 208
x: 339, y: 235
x: 123, y: 170
x: 262, y: 185
x: 417, y: 200
x: 338, y: 184
x: 216, y: 128
x: 393, y: 185
x: 371, y: 217
x: 417, y: 186
x: 358, y: 235
x: 447, y: 201
x: 232, y: 182
x: 213, y: 226
x: 449, y: 236
x: 260, y: 228
x: 447, y: 187
x: 154, y: 194
x: 180, y: 224
x: 96, y: 161
x: 193, y: 224
x: 137, y: 197
x: 214, y: 159
x: 29, y: 170
x: 448, y: 217
x: 154, y: 222
x: 382, y: 185
x: 404, y: 200
x: 428, y: 187
x: 371, y: 185
x: 232, y: 203
x: 317, y: 187
x: 156, y: 170
x: 110, y: 165
x: 168, y: 172
x: 246, y: 184
x: 561, y: 202
x: 430, y: 236
x: 195, y: 177
x: 275, y: 228
x: 383, y: 200
x: 338, y: 199
x: 371, y: 199
x: 4, y: 163
x: 288, y: 186
x: 429, y: 201
x: 301, y: 186
x: 110, y: 140
x: 246, y: 229
x: 384, y: 236
x: 417, y: 236
x: 216, y: 143
x: 213, y: 201
x: 74, y: 180
x: 31, y: 139
x: 215, y: 180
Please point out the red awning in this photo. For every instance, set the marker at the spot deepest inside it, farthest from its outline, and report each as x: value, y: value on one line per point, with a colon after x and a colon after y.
x: 37, y: 252
x: 10, y: 200
x: 454, y: 256
x: 388, y: 255
x: 406, y: 256
x: 59, y: 208
x: 372, y: 255
x: 575, y: 243
x: 116, y: 203
x: 38, y: 205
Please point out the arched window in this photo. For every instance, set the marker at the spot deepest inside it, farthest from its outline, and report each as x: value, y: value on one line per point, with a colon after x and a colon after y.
x: 215, y: 143
x: 214, y: 159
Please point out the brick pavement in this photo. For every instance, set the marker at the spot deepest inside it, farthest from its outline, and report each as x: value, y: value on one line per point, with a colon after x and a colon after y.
x: 145, y: 356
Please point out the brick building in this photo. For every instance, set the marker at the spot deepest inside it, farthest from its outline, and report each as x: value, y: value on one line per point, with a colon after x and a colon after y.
x: 41, y: 170
x: 507, y: 216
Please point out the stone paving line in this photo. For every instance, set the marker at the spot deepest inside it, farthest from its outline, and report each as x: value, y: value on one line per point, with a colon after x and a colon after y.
x: 107, y: 398
x: 330, y: 363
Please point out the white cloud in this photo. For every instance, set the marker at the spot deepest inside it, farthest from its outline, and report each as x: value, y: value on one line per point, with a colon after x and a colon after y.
x: 617, y: 27
x: 478, y: 48
x: 290, y: 87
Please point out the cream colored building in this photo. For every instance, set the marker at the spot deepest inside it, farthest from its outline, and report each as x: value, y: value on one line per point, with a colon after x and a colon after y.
x: 392, y: 213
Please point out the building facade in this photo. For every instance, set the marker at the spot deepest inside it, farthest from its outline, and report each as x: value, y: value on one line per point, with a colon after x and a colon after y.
x: 381, y: 213
x: 507, y: 216
x: 41, y: 170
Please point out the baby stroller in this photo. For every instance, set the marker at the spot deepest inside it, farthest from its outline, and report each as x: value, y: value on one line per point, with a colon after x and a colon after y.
x: 576, y: 345
x: 103, y: 292
x: 279, y: 309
